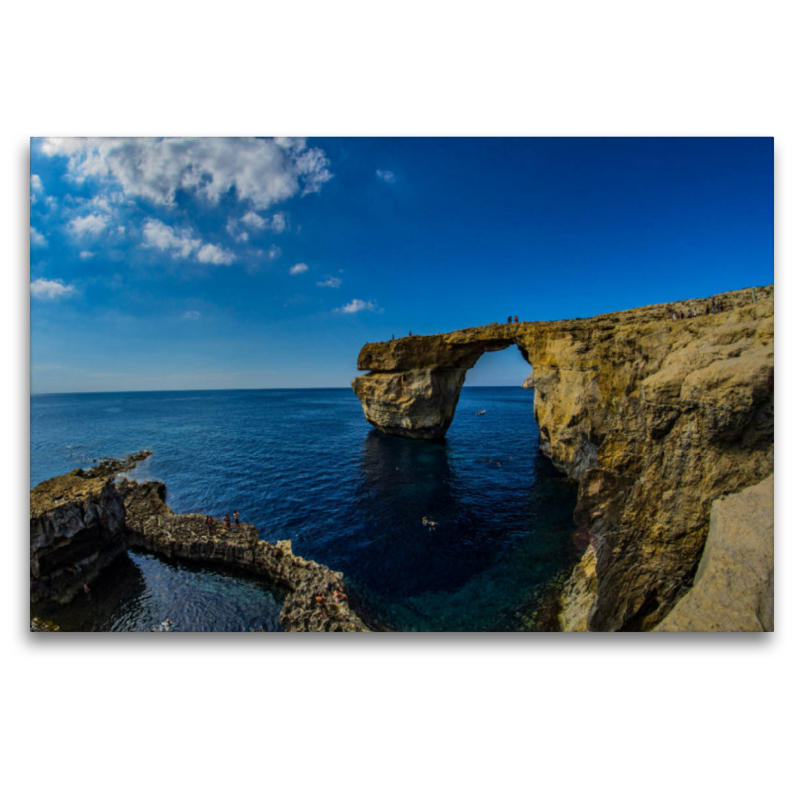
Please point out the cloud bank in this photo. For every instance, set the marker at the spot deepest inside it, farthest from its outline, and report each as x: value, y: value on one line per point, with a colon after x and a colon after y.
x: 259, y: 171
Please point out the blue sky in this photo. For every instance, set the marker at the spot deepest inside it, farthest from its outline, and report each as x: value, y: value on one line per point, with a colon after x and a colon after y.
x: 252, y: 263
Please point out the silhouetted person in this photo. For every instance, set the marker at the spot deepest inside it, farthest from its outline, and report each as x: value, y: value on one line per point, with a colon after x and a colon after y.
x: 227, y: 520
x: 235, y: 517
x: 516, y: 318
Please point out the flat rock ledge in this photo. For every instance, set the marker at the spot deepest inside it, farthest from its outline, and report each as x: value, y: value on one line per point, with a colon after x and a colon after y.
x: 153, y: 526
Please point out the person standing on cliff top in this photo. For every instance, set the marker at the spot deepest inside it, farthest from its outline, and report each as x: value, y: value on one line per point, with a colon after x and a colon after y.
x: 516, y: 318
x: 227, y: 520
x: 235, y: 517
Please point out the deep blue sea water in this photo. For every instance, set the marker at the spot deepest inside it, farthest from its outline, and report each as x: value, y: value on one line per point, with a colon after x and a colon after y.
x: 305, y: 465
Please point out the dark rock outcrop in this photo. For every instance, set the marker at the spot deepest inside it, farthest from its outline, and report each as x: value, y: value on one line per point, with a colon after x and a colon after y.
x: 654, y: 417
x: 77, y: 528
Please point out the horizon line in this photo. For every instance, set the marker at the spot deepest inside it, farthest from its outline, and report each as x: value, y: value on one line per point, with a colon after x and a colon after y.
x: 251, y: 389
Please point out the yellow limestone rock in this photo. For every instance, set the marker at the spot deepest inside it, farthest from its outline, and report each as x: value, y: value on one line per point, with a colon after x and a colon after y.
x: 733, y: 588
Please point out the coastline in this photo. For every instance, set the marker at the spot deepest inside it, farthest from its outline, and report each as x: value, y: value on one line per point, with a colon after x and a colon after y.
x: 81, y: 522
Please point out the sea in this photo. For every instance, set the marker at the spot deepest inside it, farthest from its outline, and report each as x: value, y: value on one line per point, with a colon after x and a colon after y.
x: 305, y: 465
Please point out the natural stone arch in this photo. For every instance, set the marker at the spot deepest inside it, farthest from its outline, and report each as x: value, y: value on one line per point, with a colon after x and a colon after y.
x: 414, y: 383
x: 654, y: 417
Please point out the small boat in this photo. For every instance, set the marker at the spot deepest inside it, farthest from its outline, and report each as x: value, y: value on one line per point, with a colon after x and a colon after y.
x: 479, y: 413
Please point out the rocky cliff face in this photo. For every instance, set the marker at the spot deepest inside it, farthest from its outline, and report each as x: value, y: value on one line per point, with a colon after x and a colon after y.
x: 654, y: 417
x: 724, y: 596
x: 77, y: 528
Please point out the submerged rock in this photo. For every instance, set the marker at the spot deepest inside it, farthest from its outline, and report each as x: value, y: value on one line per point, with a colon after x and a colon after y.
x: 43, y: 626
x: 654, y: 417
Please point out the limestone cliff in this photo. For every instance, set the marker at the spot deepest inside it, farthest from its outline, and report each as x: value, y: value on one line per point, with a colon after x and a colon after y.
x: 654, y: 417
x: 734, y: 586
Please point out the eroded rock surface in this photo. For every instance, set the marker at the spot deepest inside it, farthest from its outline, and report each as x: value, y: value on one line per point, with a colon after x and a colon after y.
x: 153, y: 526
x: 654, y: 417
x: 77, y: 528
x: 734, y: 586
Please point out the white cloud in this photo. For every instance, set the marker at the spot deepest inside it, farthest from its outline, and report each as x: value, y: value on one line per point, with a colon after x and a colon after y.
x: 278, y: 222
x: 333, y: 283
x: 260, y: 171
x: 254, y: 220
x: 298, y: 269
x: 212, y: 254
x: 192, y: 315
x: 257, y: 222
x: 182, y: 244
x: 50, y: 290
x: 37, y: 239
x: 90, y: 225
x: 233, y: 229
x: 36, y: 184
x: 355, y: 306
x: 163, y: 237
x: 84, y: 254
x: 386, y: 175
x: 274, y: 251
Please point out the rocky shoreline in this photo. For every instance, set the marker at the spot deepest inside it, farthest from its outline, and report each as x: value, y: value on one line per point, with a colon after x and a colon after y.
x: 655, y: 413
x: 81, y: 522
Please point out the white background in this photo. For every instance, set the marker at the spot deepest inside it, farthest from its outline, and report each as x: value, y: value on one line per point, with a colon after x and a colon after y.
x: 396, y: 716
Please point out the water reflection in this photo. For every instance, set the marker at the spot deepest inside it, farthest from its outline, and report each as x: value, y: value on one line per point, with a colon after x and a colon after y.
x: 401, y: 482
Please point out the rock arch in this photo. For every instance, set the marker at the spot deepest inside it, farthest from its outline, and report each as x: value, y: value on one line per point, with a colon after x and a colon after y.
x: 654, y: 417
x: 414, y: 383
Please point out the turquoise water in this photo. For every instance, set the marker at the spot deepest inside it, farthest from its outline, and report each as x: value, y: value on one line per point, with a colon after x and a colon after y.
x: 305, y: 465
